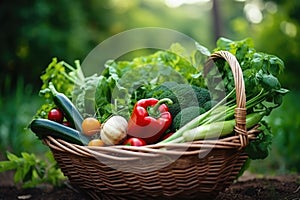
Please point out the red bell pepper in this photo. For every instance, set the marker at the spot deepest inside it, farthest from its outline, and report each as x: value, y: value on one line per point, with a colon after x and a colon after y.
x: 150, y: 119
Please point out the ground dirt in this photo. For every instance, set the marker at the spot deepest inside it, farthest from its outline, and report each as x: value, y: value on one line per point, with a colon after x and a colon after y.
x: 248, y: 187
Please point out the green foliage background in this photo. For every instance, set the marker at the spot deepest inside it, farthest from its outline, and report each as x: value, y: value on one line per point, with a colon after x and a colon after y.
x: 35, y: 31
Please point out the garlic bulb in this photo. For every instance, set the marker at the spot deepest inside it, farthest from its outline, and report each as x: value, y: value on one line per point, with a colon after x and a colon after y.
x: 114, y: 130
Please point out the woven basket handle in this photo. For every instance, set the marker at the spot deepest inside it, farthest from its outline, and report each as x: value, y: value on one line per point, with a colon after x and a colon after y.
x: 240, y: 110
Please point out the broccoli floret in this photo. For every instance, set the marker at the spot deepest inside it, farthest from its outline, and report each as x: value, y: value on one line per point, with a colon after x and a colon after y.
x: 159, y: 90
x: 182, y: 95
x: 184, y: 116
x: 209, y: 104
x: 202, y: 94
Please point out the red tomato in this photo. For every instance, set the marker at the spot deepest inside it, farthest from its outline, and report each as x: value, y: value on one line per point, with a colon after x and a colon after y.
x: 56, y: 115
x: 135, y: 142
x: 67, y: 123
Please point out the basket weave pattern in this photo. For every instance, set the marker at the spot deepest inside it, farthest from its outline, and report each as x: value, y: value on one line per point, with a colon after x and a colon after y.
x: 201, y: 169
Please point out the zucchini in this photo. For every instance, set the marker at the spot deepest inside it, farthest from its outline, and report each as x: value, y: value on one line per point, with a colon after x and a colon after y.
x: 44, y: 127
x: 70, y: 111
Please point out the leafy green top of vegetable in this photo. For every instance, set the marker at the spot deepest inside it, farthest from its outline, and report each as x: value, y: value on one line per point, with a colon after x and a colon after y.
x: 263, y: 91
x: 260, y: 147
x: 124, y: 82
x: 260, y: 70
x: 64, y: 77
x: 83, y: 95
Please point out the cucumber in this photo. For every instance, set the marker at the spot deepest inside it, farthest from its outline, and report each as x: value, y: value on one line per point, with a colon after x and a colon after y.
x: 44, y: 127
x: 70, y: 111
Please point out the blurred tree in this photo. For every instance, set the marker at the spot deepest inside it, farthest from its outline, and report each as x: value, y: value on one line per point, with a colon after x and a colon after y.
x: 34, y: 31
x: 274, y: 27
x: 217, y: 20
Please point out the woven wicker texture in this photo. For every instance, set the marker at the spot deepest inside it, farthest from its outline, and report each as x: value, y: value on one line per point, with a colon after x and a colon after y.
x: 196, y: 170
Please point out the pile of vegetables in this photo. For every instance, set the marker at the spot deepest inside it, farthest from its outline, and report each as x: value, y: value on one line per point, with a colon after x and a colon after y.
x: 160, y: 98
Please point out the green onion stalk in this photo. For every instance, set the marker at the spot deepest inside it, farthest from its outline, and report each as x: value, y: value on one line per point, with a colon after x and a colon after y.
x: 213, y: 124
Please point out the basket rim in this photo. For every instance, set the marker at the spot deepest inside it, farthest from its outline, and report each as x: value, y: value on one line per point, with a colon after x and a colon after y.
x: 128, y: 153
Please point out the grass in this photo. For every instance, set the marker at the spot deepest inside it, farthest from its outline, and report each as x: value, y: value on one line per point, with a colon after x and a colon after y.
x: 17, y: 109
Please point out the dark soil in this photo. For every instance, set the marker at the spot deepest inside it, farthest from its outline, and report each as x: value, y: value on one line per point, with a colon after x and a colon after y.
x: 246, y: 188
x: 278, y: 187
x: 10, y: 193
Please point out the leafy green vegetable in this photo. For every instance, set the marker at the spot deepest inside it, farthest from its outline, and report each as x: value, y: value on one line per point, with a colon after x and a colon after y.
x: 263, y: 92
x: 123, y: 83
x: 83, y: 96
x: 64, y: 77
x: 260, y: 147
x: 31, y: 171
x: 260, y: 70
x: 70, y: 81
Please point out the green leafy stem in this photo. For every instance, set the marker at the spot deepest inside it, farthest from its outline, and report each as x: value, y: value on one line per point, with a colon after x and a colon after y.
x: 30, y: 171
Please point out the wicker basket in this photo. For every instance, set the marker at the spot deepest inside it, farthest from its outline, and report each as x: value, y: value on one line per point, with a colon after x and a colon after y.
x: 197, y: 170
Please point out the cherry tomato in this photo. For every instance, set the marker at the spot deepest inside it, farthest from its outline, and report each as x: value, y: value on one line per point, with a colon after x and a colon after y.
x: 56, y: 115
x: 135, y: 142
x: 67, y: 123
x: 90, y: 126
